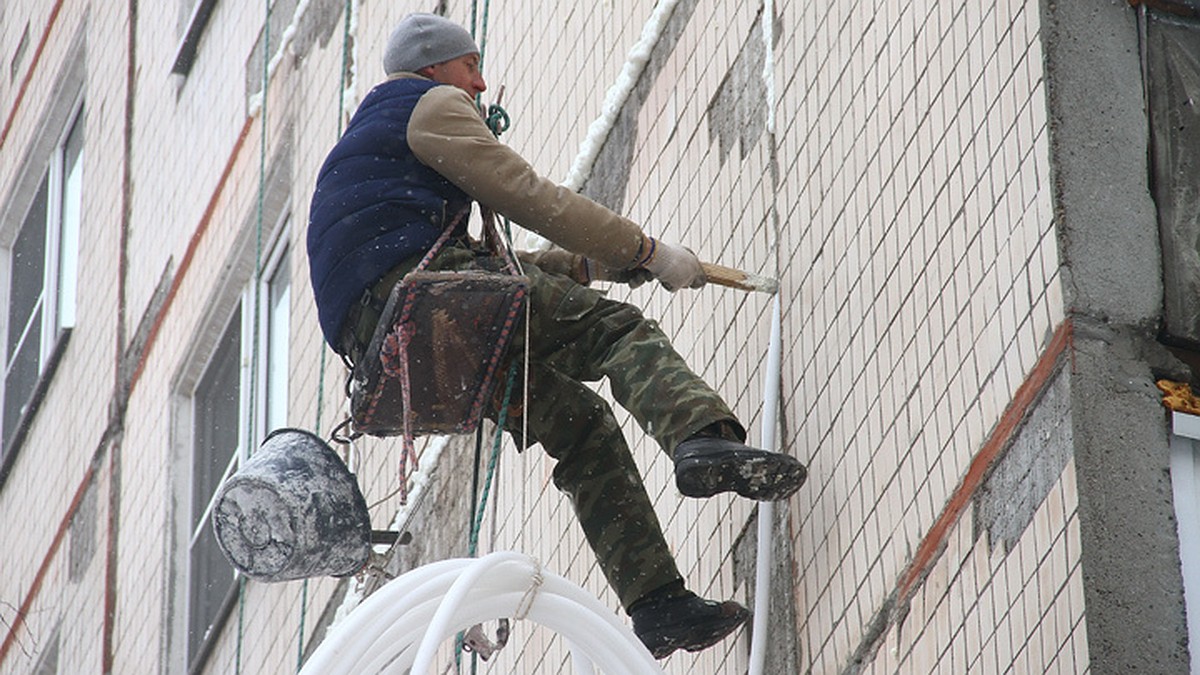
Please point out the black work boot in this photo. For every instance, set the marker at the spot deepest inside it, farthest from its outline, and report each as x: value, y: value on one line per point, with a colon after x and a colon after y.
x: 710, y: 462
x: 686, y: 622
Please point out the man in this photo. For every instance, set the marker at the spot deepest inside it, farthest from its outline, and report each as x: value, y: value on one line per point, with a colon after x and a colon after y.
x: 414, y: 157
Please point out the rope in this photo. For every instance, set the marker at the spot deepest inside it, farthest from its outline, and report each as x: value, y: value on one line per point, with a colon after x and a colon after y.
x: 497, y: 119
x: 535, y: 585
x: 483, y: 33
x: 471, y: 539
x: 399, y: 339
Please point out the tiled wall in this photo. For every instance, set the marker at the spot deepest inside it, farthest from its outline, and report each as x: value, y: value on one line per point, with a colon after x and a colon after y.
x: 901, y: 197
x: 919, y: 274
x: 917, y: 172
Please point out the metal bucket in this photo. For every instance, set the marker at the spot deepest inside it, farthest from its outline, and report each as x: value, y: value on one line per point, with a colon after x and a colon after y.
x: 293, y: 511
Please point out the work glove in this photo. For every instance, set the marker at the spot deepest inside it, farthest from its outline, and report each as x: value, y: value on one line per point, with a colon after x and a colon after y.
x: 675, y: 266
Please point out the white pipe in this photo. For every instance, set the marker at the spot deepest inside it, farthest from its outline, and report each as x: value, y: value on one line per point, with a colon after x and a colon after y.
x: 771, y: 385
x: 466, y: 582
x: 766, y: 510
x: 400, y: 626
x: 580, y: 664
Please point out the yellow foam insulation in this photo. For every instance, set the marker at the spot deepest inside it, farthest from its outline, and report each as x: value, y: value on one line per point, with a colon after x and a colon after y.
x: 1178, y: 396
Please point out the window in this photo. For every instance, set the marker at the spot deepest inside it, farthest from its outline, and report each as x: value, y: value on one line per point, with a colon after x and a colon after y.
x: 41, y: 283
x: 229, y: 417
x: 1185, y: 486
x: 212, y: 586
x: 1172, y: 71
x: 276, y: 294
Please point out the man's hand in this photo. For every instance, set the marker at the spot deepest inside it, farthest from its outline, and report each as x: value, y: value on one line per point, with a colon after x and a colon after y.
x: 675, y: 266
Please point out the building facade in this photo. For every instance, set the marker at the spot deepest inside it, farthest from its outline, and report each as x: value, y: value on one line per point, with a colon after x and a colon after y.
x: 981, y: 217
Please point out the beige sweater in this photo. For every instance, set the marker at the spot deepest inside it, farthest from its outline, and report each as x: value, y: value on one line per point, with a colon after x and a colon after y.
x: 447, y: 133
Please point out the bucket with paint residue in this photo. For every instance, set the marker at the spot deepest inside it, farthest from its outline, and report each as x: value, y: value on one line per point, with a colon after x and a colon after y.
x: 293, y: 511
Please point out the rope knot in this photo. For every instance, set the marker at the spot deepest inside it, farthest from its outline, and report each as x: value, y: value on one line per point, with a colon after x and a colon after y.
x: 535, y: 584
x: 393, y: 352
x: 498, y: 120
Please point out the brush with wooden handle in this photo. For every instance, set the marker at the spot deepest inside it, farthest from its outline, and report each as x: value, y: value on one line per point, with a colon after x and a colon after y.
x: 735, y: 278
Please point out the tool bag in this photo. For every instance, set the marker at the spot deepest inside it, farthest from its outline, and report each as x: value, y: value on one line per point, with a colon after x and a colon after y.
x: 431, y: 364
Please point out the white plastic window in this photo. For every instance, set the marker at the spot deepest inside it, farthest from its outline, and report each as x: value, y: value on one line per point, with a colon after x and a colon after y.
x: 1185, y: 482
x: 275, y: 297
x: 239, y: 398
x: 42, y: 268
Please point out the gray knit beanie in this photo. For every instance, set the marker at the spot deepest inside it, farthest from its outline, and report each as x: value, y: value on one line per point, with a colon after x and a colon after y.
x: 425, y: 39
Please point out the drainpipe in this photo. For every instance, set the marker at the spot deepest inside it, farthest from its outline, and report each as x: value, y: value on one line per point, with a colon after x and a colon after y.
x: 771, y: 383
x: 766, y: 510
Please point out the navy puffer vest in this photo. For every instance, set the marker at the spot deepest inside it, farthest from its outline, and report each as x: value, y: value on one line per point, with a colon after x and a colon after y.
x: 375, y: 204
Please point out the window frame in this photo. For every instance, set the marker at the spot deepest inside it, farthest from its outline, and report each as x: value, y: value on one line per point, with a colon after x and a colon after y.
x: 60, y: 272
x: 197, y: 526
x: 277, y: 264
x: 1185, y: 488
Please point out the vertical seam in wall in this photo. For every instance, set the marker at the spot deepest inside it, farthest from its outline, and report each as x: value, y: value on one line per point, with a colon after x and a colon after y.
x: 107, y: 657
x: 121, y: 390
x: 33, y: 64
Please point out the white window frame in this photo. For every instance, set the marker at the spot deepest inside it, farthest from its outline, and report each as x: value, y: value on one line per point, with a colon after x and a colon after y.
x: 60, y: 270
x: 1185, y: 486
x: 274, y: 334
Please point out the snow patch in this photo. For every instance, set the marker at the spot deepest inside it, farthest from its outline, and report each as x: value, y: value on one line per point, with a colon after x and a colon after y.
x: 419, y: 480
x: 350, y: 99
x: 614, y: 100
x: 617, y: 94
x: 768, y: 35
x: 285, y: 41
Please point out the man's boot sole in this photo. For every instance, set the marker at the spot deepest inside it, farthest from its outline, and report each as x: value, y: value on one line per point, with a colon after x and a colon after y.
x: 761, y: 476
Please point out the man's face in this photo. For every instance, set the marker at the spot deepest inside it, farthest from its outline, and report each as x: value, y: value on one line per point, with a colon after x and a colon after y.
x: 462, y: 72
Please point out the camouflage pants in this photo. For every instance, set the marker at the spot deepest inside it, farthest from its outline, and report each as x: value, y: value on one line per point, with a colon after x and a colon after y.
x: 578, y: 335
